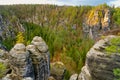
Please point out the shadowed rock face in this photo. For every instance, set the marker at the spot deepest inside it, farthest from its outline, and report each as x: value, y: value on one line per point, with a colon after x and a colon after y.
x: 40, y: 58
x: 21, y: 61
x: 99, y: 65
x: 29, y: 63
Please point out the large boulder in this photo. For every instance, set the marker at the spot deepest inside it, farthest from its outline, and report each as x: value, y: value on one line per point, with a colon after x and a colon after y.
x: 58, y: 70
x: 99, y: 64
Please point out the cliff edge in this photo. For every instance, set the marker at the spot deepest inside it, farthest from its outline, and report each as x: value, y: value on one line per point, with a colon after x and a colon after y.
x: 102, y: 60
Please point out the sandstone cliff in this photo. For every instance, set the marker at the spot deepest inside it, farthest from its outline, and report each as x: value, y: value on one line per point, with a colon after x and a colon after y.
x: 97, y: 22
x: 99, y: 64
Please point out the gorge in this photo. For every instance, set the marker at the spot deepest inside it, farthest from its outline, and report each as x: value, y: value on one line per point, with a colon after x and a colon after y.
x: 49, y: 42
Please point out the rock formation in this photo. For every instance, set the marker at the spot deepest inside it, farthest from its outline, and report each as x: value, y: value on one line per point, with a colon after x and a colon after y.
x: 27, y: 63
x: 58, y: 70
x: 97, y: 22
x: 40, y: 58
x: 99, y: 65
x: 74, y: 77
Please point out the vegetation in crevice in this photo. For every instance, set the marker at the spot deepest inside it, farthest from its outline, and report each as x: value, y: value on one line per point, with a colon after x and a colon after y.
x: 113, y: 46
x: 116, y: 73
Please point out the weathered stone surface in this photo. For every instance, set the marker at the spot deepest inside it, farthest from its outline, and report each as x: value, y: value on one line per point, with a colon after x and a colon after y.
x: 85, y: 74
x: 99, y: 65
x: 27, y: 78
x: 51, y: 78
x: 58, y: 70
x: 7, y: 77
x: 27, y: 63
x: 40, y: 58
x: 21, y: 61
x: 40, y: 44
x: 74, y: 77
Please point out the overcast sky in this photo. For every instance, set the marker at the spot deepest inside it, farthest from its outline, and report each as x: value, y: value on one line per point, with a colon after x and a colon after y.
x: 62, y: 2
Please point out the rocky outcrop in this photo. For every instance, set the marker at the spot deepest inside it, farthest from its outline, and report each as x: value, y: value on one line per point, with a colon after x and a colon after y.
x: 21, y: 61
x: 27, y: 63
x: 97, y: 22
x: 74, y: 77
x: 99, y: 64
x: 40, y: 58
x: 58, y: 70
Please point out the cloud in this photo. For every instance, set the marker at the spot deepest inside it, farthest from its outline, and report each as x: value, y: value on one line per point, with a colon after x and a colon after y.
x: 61, y: 2
x: 116, y: 3
x: 4, y: 2
x: 57, y: 2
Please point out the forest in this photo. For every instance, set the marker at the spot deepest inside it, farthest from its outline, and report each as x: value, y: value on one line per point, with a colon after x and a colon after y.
x: 60, y: 27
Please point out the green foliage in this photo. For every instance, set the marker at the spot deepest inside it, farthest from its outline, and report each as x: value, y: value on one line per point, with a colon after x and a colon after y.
x: 55, y: 28
x: 116, y: 73
x: 67, y: 75
x: 115, y: 41
x: 2, y: 69
x: 9, y: 42
x: 102, y: 6
x: 67, y: 44
x: 113, y: 45
x: 116, y: 16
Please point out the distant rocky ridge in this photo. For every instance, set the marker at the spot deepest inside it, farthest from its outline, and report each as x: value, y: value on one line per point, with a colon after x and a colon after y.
x: 97, y: 22
x: 7, y: 29
x: 27, y: 63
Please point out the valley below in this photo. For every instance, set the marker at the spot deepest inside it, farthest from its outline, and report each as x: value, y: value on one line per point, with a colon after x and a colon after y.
x: 50, y: 42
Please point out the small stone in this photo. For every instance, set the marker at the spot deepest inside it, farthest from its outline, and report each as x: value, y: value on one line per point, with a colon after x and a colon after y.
x: 51, y: 78
x: 58, y: 70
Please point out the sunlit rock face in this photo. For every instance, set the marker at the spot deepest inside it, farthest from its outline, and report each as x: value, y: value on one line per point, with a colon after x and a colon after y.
x: 74, y: 77
x: 99, y: 64
x: 97, y: 22
x: 30, y: 62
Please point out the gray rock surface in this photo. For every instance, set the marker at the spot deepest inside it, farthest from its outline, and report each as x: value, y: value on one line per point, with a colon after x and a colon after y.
x: 21, y: 61
x: 27, y: 63
x: 40, y: 58
x: 40, y: 44
x: 58, y: 70
x: 74, y: 77
x: 99, y: 65
x: 51, y: 78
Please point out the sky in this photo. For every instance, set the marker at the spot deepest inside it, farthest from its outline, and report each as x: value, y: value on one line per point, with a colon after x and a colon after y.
x: 62, y: 2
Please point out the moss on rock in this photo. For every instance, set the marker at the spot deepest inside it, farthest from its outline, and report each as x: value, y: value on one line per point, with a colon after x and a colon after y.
x: 2, y: 69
